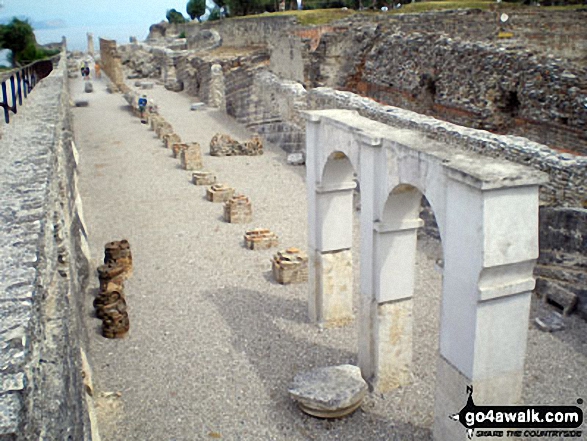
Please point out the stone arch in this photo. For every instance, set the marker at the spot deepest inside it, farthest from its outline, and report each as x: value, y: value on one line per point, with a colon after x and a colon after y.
x: 330, y: 255
x: 487, y: 214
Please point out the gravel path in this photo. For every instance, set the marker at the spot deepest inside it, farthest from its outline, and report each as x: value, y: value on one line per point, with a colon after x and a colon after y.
x: 214, y: 342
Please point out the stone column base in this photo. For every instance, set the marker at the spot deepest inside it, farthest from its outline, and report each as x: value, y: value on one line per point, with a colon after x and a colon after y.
x: 451, y: 396
x: 333, y: 297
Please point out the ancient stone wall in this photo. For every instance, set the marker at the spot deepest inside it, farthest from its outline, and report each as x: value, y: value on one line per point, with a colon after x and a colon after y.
x: 111, y: 61
x: 43, y: 272
x: 240, y: 32
x: 453, y: 66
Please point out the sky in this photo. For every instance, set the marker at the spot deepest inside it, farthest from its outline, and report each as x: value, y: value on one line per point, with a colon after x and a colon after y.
x: 116, y: 19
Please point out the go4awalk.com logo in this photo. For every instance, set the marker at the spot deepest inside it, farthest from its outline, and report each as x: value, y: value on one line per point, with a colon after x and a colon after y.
x: 517, y: 421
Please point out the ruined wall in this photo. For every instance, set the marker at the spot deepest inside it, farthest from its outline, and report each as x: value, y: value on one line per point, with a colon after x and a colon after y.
x: 479, y: 85
x: 43, y: 271
x: 246, y: 31
x: 111, y: 61
x: 451, y: 65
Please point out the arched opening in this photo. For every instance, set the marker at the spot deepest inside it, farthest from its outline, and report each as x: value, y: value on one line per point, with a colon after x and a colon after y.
x: 334, y: 232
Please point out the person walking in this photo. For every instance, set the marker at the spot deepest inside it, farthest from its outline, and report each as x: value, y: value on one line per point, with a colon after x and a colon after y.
x: 142, y: 107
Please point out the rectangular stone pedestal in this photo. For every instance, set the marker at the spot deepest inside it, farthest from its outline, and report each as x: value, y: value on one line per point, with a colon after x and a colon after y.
x: 260, y: 239
x: 203, y: 178
x: 394, y: 345
x: 334, y: 271
x: 290, y: 266
x: 191, y: 157
x: 170, y: 139
x: 219, y: 193
x: 451, y: 396
x: 238, y: 210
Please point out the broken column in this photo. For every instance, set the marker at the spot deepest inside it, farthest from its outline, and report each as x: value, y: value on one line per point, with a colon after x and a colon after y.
x: 217, y: 98
x: 238, y: 210
x: 90, y: 44
x: 329, y: 392
x: 191, y: 157
x: 290, y: 266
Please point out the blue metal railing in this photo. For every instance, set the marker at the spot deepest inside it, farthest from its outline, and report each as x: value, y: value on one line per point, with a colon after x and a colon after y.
x: 21, y: 82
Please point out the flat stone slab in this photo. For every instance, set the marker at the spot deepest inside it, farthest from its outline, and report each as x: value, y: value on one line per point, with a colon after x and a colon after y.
x: 550, y: 322
x: 296, y: 159
x: 147, y: 85
x: 197, y: 106
x: 329, y: 392
x: 81, y: 103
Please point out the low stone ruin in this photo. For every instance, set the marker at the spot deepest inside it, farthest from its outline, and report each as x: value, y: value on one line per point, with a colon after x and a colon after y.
x: 191, y: 157
x: 238, y: 210
x: 224, y: 145
x: 110, y: 304
x: 163, y: 128
x: 219, y: 193
x: 290, y: 266
x: 329, y: 392
x: 260, y: 239
x: 177, y: 148
x: 203, y: 178
x: 170, y: 139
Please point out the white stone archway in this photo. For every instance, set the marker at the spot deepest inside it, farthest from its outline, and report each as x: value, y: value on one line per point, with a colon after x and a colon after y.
x: 487, y: 214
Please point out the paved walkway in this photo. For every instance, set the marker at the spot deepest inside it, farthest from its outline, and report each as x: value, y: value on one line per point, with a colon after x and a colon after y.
x: 214, y: 342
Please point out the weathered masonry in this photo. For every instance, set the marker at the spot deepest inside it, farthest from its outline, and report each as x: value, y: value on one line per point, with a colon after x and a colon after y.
x: 487, y: 213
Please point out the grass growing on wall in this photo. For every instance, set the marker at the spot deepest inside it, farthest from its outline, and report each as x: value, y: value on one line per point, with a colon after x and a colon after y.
x: 325, y: 16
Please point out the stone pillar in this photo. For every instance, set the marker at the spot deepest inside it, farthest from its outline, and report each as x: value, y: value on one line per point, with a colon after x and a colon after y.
x: 490, y: 247
x: 217, y: 95
x: 90, y: 44
x: 330, y: 223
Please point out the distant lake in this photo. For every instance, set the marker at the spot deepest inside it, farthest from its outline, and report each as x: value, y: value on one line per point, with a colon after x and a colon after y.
x: 77, y: 40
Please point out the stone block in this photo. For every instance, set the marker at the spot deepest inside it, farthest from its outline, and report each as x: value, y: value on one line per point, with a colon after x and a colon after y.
x: 174, y: 86
x: 260, y: 239
x: 171, y: 138
x: 177, y: 148
x: 296, y: 158
x: 191, y: 157
x: 82, y: 103
x: 329, y: 392
x: 197, y: 106
x: 163, y: 129
x: 203, y: 178
x: 88, y: 87
x: 147, y: 84
x: 290, y: 266
x: 219, y: 193
x: 238, y: 210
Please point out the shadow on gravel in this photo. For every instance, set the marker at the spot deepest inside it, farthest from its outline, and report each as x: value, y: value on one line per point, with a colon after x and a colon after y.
x: 125, y: 108
x: 276, y: 337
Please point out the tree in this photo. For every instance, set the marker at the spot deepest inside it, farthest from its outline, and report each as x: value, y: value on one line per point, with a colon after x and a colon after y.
x: 196, y: 8
x: 18, y: 37
x: 174, y: 16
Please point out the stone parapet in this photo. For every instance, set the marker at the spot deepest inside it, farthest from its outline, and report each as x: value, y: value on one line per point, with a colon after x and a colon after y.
x: 44, y: 271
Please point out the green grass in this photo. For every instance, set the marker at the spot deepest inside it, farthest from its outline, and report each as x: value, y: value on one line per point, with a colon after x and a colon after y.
x: 315, y: 17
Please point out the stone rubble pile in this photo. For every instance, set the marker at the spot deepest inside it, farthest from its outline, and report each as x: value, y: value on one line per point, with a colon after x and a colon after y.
x: 224, y: 145
x: 290, y: 266
x: 110, y: 304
